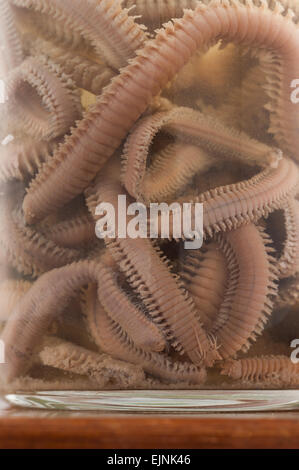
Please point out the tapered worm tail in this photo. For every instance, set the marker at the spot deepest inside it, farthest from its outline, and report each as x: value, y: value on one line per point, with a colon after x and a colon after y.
x: 235, y: 260
x: 121, y: 309
x: 180, y: 158
x: 171, y: 171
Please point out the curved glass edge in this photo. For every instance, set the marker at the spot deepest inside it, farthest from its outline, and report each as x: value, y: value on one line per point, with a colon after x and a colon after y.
x: 183, y: 401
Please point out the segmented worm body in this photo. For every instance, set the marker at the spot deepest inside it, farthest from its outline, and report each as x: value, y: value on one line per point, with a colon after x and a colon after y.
x: 26, y: 249
x: 125, y: 311
x: 32, y: 22
x: 276, y: 370
x: 113, y: 33
x: 48, y: 298
x: 228, y: 207
x: 288, y: 264
x: 251, y: 288
x: 77, y: 231
x: 86, y: 73
x: 233, y: 287
x: 113, y: 340
x: 45, y: 301
x: 101, y: 131
x: 21, y: 158
x: 193, y: 128
x: 100, y: 368
x: 130, y: 318
x: 41, y: 99
x: 205, y: 276
x: 165, y: 298
x: 11, y: 48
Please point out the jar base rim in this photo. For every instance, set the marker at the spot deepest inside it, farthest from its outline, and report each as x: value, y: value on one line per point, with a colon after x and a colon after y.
x: 159, y: 401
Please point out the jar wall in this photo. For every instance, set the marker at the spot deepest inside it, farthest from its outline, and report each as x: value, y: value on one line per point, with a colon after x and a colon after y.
x: 149, y: 195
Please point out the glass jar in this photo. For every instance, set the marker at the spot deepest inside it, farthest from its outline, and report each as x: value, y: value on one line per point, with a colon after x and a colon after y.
x: 150, y: 226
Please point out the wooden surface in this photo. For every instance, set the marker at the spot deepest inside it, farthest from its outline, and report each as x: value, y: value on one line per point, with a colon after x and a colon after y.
x: 80, y: 430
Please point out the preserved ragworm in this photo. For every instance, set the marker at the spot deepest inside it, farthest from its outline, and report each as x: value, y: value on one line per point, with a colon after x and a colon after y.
x: 149, y: 208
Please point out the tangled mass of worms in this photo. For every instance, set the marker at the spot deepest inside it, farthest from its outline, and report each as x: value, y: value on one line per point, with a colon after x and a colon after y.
x: 161, y: 101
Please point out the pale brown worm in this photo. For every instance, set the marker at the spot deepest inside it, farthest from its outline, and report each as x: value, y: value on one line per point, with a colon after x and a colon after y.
x: 288, y: 263
x: 40, y: 99
x: 128, y: 95
x: 45, y: 301
x: 248, y: 301
x: 34, y: 24
x: 154, y: 13
x: 204, y: 273
x: 127, y: 314
x: 233, y: 287
x: 86, y: 73
x: 24, y: 248
x: 164, y: 296
x: 9, y: 165
x: 113, y: 340
x: 72, y: 233
x: 11, y: 291
x: 171, y: 171
x: 114, y: 35
x: 194, y: 128
x: 237, y: 204
x: 21, y: 158
x: 100, y: 368
x: 206, y: 131
x: 11, y: 48
x: 272, y: 370
x: 228, y: 207
x: 60, y: 382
